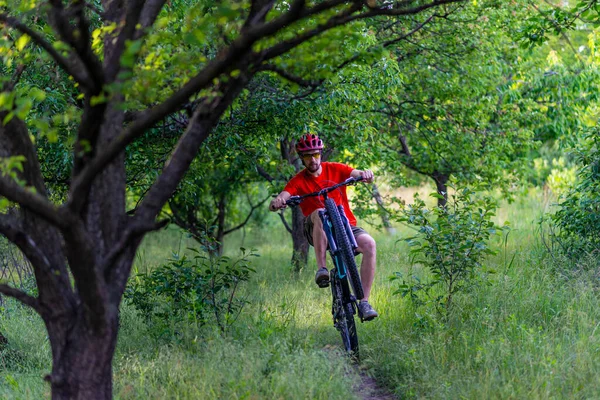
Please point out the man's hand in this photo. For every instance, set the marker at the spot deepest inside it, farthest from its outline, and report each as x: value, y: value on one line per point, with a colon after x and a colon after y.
x: 367, y: 175
x: 279, y: 202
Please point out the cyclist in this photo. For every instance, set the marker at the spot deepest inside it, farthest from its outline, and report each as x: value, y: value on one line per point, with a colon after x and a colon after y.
x: 316, y: 176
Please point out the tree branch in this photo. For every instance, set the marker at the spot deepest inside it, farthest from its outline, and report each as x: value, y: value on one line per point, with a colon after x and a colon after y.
x: 262, y: 172
x: 289, y: 44
x: 83, y: 46
x: 561, y: 31
x: 12, y: 229
x: 148, y: 15
x: 66, y: 64
x: 254, y: 207
x: 345, y: 17
x: 34, y: 202
x: 285, y: 223
x: 128, y: 31
x: 387, y: 43
x: 131, y: 232
x: 10, y: 85
x: 409, y: 34
x: 202, y: 122
x: 401, y: 136
x: 258, y: 12
x: 78, y: 39
x: 21, y: 296
x: 95, y: 9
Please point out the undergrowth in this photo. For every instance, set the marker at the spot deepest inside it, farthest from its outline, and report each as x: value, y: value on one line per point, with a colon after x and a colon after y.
x: 531, y: 331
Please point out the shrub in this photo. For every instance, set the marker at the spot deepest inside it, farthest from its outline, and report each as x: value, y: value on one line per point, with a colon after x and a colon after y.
x: 451, y: 243
x: 578, y: 218
x: 196, y: 290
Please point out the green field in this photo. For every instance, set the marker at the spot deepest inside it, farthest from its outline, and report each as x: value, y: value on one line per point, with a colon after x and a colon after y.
x: 527, y: 331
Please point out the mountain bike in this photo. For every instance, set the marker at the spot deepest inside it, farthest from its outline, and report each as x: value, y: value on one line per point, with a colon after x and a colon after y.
x: 342, y: 246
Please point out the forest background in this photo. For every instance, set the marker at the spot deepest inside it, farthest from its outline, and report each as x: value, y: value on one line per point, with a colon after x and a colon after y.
x: 142, y: 141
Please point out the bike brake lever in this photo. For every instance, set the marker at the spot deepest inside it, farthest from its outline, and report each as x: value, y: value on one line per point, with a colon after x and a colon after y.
x: 293, y: 201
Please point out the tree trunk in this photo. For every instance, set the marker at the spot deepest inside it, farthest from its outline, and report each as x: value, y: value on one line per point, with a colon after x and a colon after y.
x: 441, y: 185
x: 300, y: 244
x: 300, y: 254
x: 220, y: 225
x: 385, y: 219
x: 82, y: 367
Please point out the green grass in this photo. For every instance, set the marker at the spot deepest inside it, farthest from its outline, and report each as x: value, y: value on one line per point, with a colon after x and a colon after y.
x: 26, y: 358
x: 532, y: 332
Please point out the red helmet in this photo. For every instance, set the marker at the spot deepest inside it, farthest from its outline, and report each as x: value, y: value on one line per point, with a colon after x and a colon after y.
x: 309, y: 142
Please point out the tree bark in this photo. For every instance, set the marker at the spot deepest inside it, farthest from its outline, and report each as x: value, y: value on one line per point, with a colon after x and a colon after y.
x: 220, y: 236
x: 300, y: 252
x: 441, y: 186
x: 385, y: 219
x: 82, y: 359
x: 299, y: 242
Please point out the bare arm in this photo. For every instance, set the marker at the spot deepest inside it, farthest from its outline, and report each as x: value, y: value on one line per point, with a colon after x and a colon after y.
x: 279, y: 201
x: 367, y: 175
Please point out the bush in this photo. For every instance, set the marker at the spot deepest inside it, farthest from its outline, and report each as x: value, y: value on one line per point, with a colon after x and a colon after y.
x: 578, y: 218
x: 451, y: 243
x: 194, y: 290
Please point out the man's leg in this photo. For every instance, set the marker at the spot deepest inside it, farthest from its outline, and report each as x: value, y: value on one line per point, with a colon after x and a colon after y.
x: 368, y: 248
x: 319, y: 241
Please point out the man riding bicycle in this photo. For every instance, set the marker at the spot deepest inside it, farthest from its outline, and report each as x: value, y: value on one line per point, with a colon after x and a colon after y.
x: 316, y: 176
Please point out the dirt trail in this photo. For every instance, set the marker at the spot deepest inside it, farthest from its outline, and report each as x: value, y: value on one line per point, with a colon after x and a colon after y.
x: 367, y: 388
x: 370, y: 390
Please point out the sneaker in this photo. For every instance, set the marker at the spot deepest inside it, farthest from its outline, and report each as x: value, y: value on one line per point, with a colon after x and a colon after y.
x: 366, y: 312
x: 322, y: 277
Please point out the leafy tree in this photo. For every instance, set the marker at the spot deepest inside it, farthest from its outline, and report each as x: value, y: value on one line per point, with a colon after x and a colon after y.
x: 152, y: 59
x: 460, y: 100
x: 577, y: 216
x: 217, y: 197
x: 462, y: 115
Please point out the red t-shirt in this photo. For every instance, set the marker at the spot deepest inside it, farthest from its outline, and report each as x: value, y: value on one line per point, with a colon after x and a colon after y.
x: 332, y: 173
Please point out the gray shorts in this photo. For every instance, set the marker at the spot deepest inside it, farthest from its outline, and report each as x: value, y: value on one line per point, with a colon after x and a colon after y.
x: 308, y: 229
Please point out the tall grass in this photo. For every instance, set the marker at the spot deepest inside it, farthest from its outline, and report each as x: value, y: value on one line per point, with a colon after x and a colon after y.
x: 530, y: 330
x: 529, y: 333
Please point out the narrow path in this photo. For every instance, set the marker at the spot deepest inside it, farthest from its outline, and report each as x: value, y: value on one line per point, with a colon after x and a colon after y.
x: 370, y: 390
x: 367, y: 388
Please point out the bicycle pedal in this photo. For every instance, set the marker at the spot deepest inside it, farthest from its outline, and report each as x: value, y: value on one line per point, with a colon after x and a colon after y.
x: 323, y: 284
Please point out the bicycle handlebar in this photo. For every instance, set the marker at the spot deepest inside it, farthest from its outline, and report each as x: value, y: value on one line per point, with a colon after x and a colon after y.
x: 295, y: 200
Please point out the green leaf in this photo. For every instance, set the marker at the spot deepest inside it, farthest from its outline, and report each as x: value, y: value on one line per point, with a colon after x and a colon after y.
x: 99, y: 99
x: 21, y: 42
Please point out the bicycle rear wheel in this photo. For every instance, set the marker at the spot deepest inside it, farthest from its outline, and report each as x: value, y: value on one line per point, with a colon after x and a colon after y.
x: 343, y: 318
x: 345, y: 247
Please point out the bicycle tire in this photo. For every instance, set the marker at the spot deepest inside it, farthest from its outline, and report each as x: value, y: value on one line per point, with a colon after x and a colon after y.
x: 345, y: 247
x: 343, y: 319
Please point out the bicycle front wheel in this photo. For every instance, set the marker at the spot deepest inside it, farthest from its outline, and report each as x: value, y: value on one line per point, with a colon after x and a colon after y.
x: 345, y: 247
x: 343, y: 319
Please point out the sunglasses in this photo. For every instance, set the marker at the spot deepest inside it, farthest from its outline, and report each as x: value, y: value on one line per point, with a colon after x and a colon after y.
x: 308, y: 157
